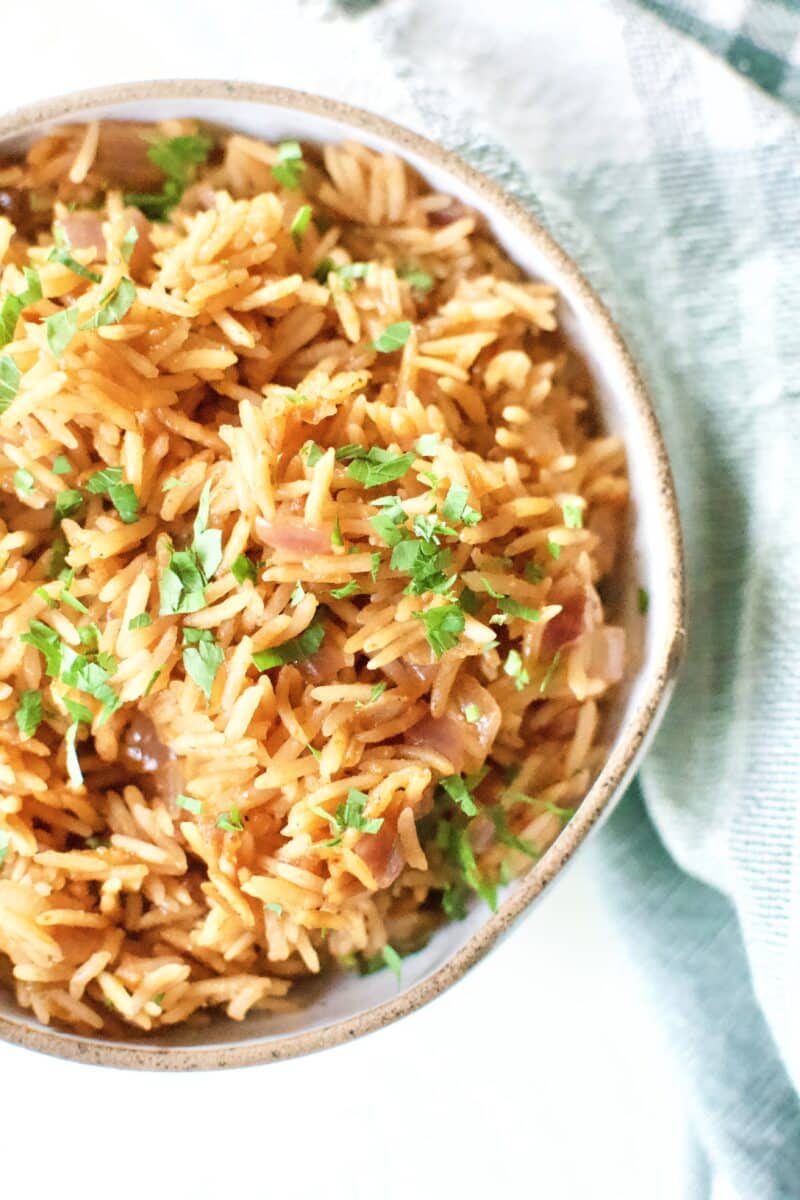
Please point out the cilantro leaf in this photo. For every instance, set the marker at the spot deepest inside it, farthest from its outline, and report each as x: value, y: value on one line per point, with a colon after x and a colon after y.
x: 29, y: 713
x: 141, y: 621
x: 573, y: 514
x: 347, y: 590
x: 207, y: 544
x: 642, y: 600
x: 190, y: 804
x: 417, y: 279
x: 61, y: 465
x: 78, y: 712
x: 60, y: 328
x: 295, y: 650
x: 472, y: 714
x: 515, y: 669
x: 550, y: 672
x: 114, y: 305
x: 443, y: 626
x: 47, y: 642
x: 60, y: 254
x: 122, y: 495
x: 182, y: 585
x: 459, y: 793
x: 393, y: 337
x: 313, y: 453
x: 178, y: 158
x: 242, y: 568
x: 12, y: 307
x: 455, y: 507
x: 392, y: 960
x: 290, y: 166
x: 554, y: 548
x: 349, y: 815
x: 10, y: 376
x: 376, y: 467
x: 202, y: 663
x: 23, y: 481
x: 128, y: 243
x: 376, y: 691
x: 231, y: 821
x: 300, y: 223
x: 533, y: 572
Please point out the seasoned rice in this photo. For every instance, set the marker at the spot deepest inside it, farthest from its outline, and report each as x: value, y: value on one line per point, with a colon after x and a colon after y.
x: 304, y: 513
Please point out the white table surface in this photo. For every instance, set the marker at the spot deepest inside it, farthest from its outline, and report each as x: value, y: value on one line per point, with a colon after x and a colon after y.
x: 540, y: 1074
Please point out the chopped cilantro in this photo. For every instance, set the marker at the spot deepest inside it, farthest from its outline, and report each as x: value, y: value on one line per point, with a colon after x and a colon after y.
x: 533, y: 572
x: 47, y: 642
x: 29, y: 713
x: 122, y: 496
x: 178, y: 158
x: 554, y: 548
x: 376, y: 691
x: 550, y: 672
x: 290, y: 166
x: 60, y: 254
x: 188, y: 572
x: 347, y: 590
x: 469, y: 601
x: 13, y: 306
x: 457, y: 790
x: 514, y: 668
x: 61, y: 465
x: 24, y: 481
x: 506, y: 837
x: 78, y: 712
x: 67, y: 503
x: 375, y: 560
x: 60, y: 328
x: 242, y: 568
x: 128, y: 243
x: 202, y: 661
x: 455, y: 507
x: 300, y: 223
x: 417, y: 279
x: 350, y: 272
x: 314, y: 752
x: 190, y: 804
x: 375, y: 467
x: 89, y: 635
x: 10, y: 376
x: 393, y: 337
x: 152, y: 681
x: 313, y: 453
x: 336, y: 533
x: 170, y: 483
x: 573, y: 514
x: 141, y: 621
x: 231, y: 821
x: 642, y: 600
x: 472, y: 713
x: 349, y: 815
x: 512, y: 608
x: 443, y: 626
x: 297, y: 595
x: 454, y: 901
x: 392, y: 960
x: 426, y: 564
x: 113, y: 305
x: 295, y: 650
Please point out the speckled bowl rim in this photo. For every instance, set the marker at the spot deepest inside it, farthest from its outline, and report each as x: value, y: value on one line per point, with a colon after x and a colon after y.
x: 629, y: 741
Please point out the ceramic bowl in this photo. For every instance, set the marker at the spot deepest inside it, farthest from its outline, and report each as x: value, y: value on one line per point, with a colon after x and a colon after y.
x: 341, y: 1007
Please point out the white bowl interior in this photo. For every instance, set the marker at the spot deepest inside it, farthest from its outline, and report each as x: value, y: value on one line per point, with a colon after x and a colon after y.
x: 343, y: 997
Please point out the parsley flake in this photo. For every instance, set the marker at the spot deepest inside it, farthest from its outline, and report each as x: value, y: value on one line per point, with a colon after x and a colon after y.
x: 514, y: 668
x: 60, y: 329
x: 300, y: 223
x: 190, y: 804
x: 455, y: 507
x: 61, y: 465
x: 10, y: 376
x: 573, y: 514
x: 23, y: 481
x: 108, y: 482
x: 202, y: 661
x: 60, y: 254
x: 418, y: 280
x: 114, y: 305
x: 141, y: 621
x: 472, y: 714
x: 347, y: 590
x: 642, y: 600
x: 178, y: 158
x: 456, y: 788
x: 231, y: 821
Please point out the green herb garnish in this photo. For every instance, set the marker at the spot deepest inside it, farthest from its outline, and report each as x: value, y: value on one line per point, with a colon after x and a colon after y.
x: 573, y: 514
x: 347, y: 590
x: 514, y: 668
x: 295, y: 650
x: 349, y: 815
x: 203, y: 659
x: 231, y: 821
x: 456, y: 788
x: 107, y: 482
x: 61, y: 465
x: 554, y: 548
x: 443, y: 627
x: 128, y: 243
x: 29, y: 713
x: 394, y: 337
x: 60, y: 254
x: 419, y: 280
x: 472, y: 714
x: 190, y: 804
x: 290, y: 166
x: 550, y: 672
x: 642, y: 600
x: 23, y: 481
x: 60, y: 328
x: 10, y: 376
x: 242, y: 568
x: 300, y: 223
x: 455, y: 507
x: 178, y: 158
x: 113, y: 305
x: 183, y: 583
x: 141, y: 621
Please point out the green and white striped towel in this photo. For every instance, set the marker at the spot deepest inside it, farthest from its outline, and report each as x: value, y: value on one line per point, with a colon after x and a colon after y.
x: 659, y: 142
